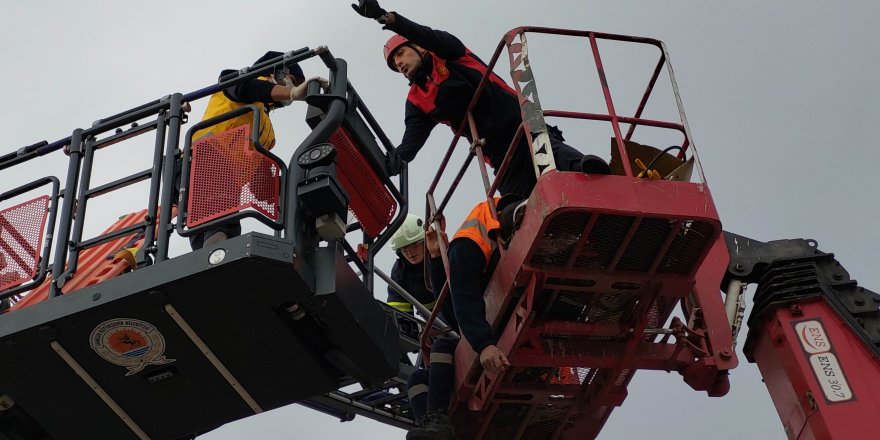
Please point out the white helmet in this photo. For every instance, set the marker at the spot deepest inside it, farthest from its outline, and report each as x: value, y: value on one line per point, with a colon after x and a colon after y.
x: 412, y: 230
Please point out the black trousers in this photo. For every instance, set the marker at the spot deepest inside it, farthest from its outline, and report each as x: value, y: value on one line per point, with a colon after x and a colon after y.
x: 520, y: 175
x: 430, y: 389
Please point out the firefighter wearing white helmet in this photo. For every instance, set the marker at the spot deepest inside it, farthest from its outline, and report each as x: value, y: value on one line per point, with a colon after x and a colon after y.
x: 408, y: 271
x: 410, y: 232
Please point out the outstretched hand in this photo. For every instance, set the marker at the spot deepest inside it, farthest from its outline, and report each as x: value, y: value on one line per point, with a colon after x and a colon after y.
x: 369, y: 9
x: 394, y: 163
x: 298, y: 93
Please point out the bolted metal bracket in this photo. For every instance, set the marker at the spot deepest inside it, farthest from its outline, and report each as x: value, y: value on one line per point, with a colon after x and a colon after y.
x: 747, y: 255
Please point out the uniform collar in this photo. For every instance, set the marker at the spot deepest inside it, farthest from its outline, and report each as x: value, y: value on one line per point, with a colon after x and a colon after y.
x: 425, y: 68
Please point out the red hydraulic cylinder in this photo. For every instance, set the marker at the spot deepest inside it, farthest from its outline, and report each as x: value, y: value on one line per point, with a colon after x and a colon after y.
x: 821, y: 376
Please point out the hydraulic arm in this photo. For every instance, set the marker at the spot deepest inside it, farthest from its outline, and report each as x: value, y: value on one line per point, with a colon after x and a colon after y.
x: 815, y: 335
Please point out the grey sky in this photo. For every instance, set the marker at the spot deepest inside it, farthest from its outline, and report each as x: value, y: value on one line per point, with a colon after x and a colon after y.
x: 780, y: 98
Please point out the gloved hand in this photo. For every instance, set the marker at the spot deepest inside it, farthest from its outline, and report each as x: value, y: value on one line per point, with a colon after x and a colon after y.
x: 298, y: 93
x: 369, y: 9
x: 393, y: 162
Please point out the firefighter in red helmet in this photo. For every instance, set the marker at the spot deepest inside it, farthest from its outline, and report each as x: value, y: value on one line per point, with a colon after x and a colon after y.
x: 443, y: 75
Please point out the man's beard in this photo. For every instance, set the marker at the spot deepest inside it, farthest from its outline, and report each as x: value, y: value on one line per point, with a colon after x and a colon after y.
x: 419, y: 74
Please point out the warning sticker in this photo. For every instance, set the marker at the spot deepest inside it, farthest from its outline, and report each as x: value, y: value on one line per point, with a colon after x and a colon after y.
x: 820, y: 353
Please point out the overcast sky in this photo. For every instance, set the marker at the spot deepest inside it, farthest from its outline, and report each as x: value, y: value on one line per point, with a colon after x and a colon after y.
x: 780, y: 98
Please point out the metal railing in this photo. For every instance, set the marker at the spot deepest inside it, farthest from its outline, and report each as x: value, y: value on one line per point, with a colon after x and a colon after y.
x: 42, y: 256
x: 164, y: 119
x: 534, y: 129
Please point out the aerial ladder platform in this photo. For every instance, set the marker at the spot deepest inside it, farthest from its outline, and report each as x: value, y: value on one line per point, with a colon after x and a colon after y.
x: 814, y: 334
x: 586, y: 292
x: 606, y: 275
x: 111, y: 330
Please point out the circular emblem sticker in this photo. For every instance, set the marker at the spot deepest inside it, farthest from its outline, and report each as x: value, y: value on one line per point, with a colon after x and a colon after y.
x: 129, y: 343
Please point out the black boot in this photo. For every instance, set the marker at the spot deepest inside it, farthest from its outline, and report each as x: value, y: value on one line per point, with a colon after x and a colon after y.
x: 594, y: 165
x: 433, y: 426
x: 510, y: 218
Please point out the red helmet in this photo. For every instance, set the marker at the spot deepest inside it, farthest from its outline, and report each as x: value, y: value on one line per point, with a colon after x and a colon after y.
x: 391, y: 46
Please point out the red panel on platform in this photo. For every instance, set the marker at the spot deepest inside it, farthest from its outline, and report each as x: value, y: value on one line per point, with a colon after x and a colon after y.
x: 370, y: 200
x: 21, y: 232
x: 228, y: 175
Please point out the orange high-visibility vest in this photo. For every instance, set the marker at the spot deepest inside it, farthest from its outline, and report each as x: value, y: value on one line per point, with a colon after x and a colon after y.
x: 565, y: 376
x: 478, y: 226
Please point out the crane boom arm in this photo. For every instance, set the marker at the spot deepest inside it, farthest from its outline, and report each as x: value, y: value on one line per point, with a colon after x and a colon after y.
x: 814, y: 334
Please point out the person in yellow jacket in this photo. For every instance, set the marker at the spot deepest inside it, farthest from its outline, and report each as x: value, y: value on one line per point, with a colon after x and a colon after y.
x: 266, y: 93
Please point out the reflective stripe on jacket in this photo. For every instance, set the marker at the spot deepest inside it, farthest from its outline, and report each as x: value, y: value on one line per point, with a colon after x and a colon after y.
x: 406, y: 307
x: 478, y: 227
x: 412, y: 278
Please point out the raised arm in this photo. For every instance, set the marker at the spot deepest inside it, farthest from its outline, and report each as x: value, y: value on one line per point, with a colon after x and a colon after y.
x: 442, y: 43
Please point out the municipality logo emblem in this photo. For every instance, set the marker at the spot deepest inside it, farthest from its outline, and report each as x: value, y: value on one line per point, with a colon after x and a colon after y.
x: 129, y: 343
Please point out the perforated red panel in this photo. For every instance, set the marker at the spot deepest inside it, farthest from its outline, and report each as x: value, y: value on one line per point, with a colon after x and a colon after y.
x: 228, y: 175
x: 559, y: 242
x: 370, y: 200
x: 21, y: 232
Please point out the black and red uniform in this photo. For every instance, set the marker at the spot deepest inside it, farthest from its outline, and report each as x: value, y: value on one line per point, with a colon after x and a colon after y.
x: 443, y: 88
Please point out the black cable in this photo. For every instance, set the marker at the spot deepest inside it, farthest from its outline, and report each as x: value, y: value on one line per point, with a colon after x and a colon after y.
x: 674, y: 147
